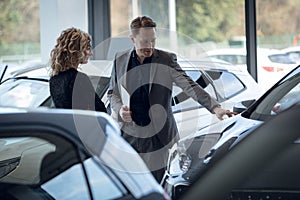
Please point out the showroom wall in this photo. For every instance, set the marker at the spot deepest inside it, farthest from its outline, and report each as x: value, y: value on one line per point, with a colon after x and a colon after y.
x: 57, y: 15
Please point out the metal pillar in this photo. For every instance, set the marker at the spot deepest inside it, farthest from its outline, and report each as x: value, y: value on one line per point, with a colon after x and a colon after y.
x: 251, y: 42
x: 99, y: 26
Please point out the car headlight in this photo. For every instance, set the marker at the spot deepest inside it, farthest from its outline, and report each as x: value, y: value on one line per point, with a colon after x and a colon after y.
x: 184, y: 162
x: 179, y: 161
x: 7, y: 166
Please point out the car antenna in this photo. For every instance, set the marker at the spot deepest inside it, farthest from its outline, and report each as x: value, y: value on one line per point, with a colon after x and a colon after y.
x: 2, y: 75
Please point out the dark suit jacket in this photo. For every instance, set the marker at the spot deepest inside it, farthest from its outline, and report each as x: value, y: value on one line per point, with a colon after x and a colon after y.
x: 164, y: 72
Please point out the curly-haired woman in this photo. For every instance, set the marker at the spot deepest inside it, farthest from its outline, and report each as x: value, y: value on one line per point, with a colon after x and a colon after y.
x: 69, y: 88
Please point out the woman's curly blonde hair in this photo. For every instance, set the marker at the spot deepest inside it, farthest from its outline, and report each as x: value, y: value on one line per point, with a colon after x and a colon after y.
x: 69, y: 51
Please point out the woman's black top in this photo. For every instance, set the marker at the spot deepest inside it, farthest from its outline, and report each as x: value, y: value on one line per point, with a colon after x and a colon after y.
x: 74, y: 90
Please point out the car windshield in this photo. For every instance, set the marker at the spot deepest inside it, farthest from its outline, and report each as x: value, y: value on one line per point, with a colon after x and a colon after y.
x: 283, y: 96
x: 23, y: 93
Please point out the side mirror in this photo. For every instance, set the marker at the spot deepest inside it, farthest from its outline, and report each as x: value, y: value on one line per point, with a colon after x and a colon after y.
x: 242, y: 106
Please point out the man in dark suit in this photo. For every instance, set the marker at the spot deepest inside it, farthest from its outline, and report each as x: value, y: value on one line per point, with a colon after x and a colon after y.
x: 140, y: 94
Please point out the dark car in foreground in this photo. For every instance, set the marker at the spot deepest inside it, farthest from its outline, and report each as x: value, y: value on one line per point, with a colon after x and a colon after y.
x: 193, y: 151
x: 69, y: 154
x: 262, y: 164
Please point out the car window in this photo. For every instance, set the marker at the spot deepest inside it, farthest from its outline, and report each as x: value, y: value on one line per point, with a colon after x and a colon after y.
x: 50, y: 168
x: 226, y: 83
x: 199, y: 78
x: 19, y: 154
x: 35, y: 168
x: 277, y: 179
x: 48, y: 103
x: 103, y: 183
x: 286, y: 94
x: 291, y: 98
x: 23, y: 93
x: 70, y: 184
x: 183, y: 102
x: 100, y: 83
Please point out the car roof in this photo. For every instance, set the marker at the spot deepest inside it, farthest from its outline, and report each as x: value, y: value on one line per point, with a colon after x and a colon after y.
x: 68, y: 120
x: 94, y: 68
x: 269, y: 51
x: 242, y: 51
x: 291, y: 49
x: 104, y: 67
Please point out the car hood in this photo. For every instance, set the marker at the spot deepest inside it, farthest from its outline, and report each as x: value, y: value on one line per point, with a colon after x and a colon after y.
x: 221, y: 131
x: 234, y: 128
x: 189, y: 152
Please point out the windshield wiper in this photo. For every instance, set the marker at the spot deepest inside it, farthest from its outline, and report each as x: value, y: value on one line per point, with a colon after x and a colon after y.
x: 3, y: 73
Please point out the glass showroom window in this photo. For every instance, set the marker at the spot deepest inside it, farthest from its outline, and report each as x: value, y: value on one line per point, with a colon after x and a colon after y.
x: 189, y: 28
x: 278, y: 29
x: 20, y: 31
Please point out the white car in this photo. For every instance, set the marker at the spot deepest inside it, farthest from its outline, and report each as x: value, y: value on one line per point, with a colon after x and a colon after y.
x: 223, y: 81
x: 10, y: 68
x: 272, y: 64
x: 235, y: 56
